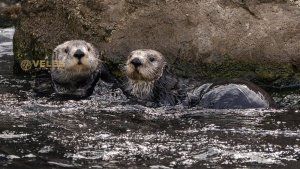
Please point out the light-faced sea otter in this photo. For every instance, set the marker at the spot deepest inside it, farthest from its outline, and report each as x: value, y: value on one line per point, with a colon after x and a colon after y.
x: 150, y: 79
x: 77, y: 74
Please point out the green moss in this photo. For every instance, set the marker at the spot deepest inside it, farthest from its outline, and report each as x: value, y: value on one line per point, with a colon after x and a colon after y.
x: 273, y: 74
x: 25, y: 51
x: 115, y: 69
x: 108, y: 35
x: 227, y: 69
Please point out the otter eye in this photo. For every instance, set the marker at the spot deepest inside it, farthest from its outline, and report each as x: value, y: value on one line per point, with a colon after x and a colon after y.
x: 151, y: 59
x: 67, y: 50
x: 89, y: 49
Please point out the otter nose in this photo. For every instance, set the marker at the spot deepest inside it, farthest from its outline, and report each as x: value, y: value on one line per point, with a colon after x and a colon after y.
x: 136, y: 62
x: 78, y: 54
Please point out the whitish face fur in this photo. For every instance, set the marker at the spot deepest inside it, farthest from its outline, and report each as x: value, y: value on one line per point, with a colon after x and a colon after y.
x: 145, y: 65
x: 79, y: 58
x: 143, y: 68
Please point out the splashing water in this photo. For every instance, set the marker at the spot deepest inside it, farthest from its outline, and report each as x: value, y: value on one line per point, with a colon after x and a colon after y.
x: 108, y: 131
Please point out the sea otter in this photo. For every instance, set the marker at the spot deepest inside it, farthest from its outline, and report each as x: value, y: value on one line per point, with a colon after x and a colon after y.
x: 150, y: 79
x: 76, y: 72
x: 229, y: 94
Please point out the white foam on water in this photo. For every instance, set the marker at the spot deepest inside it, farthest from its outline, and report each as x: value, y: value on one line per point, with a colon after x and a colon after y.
x: 11, y: 157
x: 12, y: 135
x: 61, y: 164
x: 88, y: 155
x: 159, y: 167
x: 30, y: 156
x: 45, y: 149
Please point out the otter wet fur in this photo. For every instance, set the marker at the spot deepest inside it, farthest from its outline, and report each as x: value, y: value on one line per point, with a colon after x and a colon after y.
x: 77, y: 74
x: 150, y: 79
x: 229, y: 94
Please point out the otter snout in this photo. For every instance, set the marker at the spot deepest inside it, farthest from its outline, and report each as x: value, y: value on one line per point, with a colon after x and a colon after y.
x: 136, y: 62
x: 79, y: 54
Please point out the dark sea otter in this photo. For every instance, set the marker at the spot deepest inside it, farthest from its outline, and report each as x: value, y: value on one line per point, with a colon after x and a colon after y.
x: 76, y: 72
x: 230, y: 94
x: 149, y: 79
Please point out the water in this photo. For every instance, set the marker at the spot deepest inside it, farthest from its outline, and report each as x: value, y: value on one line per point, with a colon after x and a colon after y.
x: 109, y: 131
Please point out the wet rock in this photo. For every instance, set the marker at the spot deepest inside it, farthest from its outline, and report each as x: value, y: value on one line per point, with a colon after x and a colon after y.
x: 257, y: 40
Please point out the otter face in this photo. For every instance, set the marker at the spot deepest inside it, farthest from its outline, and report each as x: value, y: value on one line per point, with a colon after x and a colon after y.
x: 78, y: 57
x: 145, y: 65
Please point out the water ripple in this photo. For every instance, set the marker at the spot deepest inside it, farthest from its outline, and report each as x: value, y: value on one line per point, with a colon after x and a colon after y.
x: 107, y: 130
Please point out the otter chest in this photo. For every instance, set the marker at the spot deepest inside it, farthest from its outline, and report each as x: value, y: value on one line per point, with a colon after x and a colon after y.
x: 141, y: 89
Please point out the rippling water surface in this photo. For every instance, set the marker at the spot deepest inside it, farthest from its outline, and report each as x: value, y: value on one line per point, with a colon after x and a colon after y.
x: 108, y: 131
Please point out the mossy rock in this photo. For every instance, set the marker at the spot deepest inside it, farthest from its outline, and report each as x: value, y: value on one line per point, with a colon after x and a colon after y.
x: 235, y: 40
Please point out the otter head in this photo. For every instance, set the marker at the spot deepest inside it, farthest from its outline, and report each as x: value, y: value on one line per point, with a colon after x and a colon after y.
x: 145, y: 65
x: 77, y: 57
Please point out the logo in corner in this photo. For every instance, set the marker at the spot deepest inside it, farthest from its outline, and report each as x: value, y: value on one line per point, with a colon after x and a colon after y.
x: 26, y: 65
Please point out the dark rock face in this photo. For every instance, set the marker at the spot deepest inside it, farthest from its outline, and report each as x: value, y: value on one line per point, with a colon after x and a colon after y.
x: 257, y: 40
x: 9, y: 11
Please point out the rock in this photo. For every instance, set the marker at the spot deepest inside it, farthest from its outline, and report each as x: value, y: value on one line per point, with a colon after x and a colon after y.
x: 258, y: 40
x: 9, y: 11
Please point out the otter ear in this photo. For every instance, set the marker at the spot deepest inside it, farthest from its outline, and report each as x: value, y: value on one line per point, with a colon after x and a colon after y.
x: 130, y: 55
x: 165, y: 64
x: 97, y: 52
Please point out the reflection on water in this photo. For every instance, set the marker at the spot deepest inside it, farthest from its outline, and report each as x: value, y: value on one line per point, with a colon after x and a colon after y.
x: 6, y: 36
x: 108, y: 131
